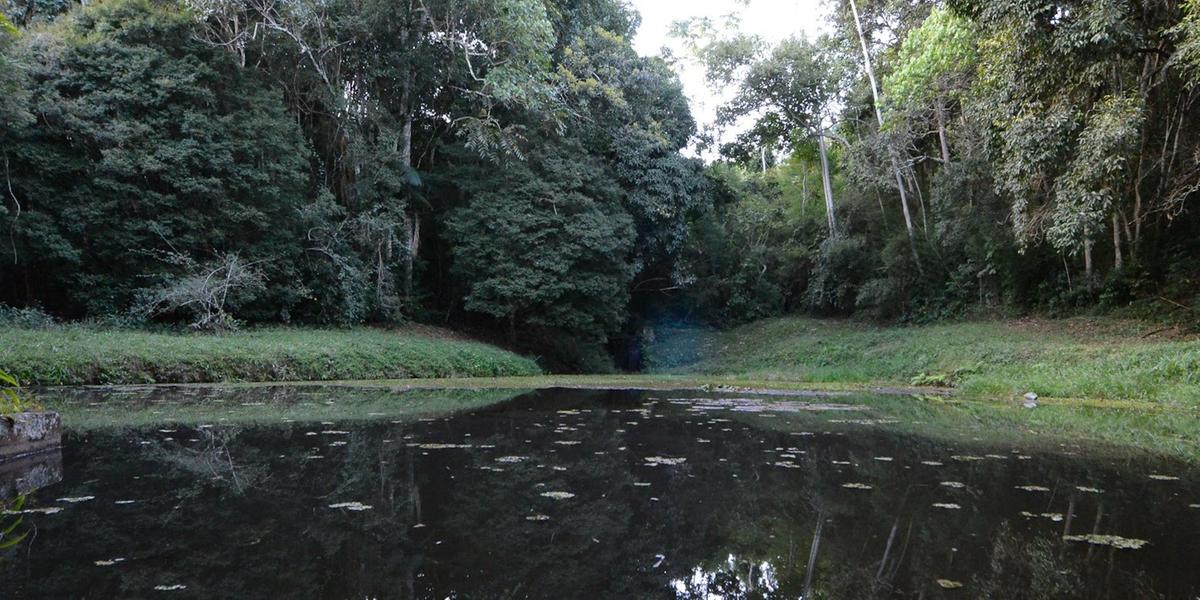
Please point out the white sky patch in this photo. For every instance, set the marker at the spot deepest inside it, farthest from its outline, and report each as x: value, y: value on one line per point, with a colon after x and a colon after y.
x: 772, y: 20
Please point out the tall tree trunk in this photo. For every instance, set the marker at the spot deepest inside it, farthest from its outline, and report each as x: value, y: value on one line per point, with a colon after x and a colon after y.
x: 412, y: 225
x: 941, y: 123
x: 826, y: 183
x: 1087, y: 257
x: 862, y: 41
x: 804, y: 191
x: 1136, y: 241
x: 1118, y: 258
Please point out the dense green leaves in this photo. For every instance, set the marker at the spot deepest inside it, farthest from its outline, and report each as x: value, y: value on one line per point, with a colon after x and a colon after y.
x: 516, y: 165
x: 362, y: 160
x: 547, y: 242
x: 1043, y: 147
x: 148, y: 143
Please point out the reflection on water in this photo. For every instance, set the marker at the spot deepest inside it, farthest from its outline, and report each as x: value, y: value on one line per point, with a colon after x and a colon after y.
x: 27, y: 474
x: 576, y: 494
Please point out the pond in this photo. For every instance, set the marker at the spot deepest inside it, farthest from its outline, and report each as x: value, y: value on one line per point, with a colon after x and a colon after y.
x: 335, y: 492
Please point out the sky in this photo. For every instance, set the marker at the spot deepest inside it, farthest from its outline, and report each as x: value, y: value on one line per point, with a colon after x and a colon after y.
x: 773, y: 20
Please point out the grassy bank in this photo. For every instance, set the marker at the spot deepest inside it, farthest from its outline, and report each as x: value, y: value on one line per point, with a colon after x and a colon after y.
x: 1095, y: 359
x: 70, y: 355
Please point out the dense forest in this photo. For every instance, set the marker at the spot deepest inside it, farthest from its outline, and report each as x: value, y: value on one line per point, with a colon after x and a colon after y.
x: 514, y: 166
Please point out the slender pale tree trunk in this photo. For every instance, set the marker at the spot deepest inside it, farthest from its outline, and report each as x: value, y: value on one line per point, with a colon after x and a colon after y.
x: 1087, y: 256
x: 804, y: 192
x: 826, y: 183
x: 1118, y: 258
x: 412, y: 224
x: 941, y: 123
x: 1136, y: 241
x: 862, y: 41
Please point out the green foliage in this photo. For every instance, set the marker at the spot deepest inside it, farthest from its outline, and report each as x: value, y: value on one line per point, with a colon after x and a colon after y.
x: 346, y: 151
x: 748, y: 258
x: 26, y: 318
x: 14, y: 86
x: 149, y: 143
x: 12, y: 398
x: 546, y: 242
x: 933, y: 60
x: 517, y: 165
x: 1100, y: 172
x: 1042, y: 147
x: 841, y: 264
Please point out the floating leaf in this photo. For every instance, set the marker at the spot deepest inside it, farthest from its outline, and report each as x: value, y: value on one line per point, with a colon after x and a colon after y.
x: 949, y: 584
x: 654, y: 461
x: 49, y: 510
x: 354, y: 506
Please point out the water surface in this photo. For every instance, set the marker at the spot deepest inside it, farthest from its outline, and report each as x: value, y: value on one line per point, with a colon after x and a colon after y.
x: 341, y: 493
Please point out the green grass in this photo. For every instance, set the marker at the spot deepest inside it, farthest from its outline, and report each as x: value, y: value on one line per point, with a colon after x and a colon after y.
x: 1101, y: 380
x: 76, y: 355
x: 1094, y: 359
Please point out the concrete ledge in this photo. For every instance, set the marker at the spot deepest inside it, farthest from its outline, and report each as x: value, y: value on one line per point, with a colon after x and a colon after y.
x: 24, y: 434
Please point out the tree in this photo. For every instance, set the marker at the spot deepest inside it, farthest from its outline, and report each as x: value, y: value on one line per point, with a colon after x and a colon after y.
x: 1068, y: 136
x: 147, y: 142
x: 14, y: 85
x: 934, y: 68
x: 380, y: 85
x: 546, y: 242
x: 787, y: 89
x: 908, y: 223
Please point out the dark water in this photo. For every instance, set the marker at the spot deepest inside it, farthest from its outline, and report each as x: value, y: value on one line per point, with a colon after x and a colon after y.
x: 570, y: 494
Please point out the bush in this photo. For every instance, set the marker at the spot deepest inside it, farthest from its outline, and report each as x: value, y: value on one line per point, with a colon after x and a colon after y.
x: 207, y: 291
x: 841, y: 265
x: 32, y: 317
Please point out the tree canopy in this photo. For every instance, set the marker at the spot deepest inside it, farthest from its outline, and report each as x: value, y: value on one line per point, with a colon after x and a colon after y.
x: 516, y: 166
